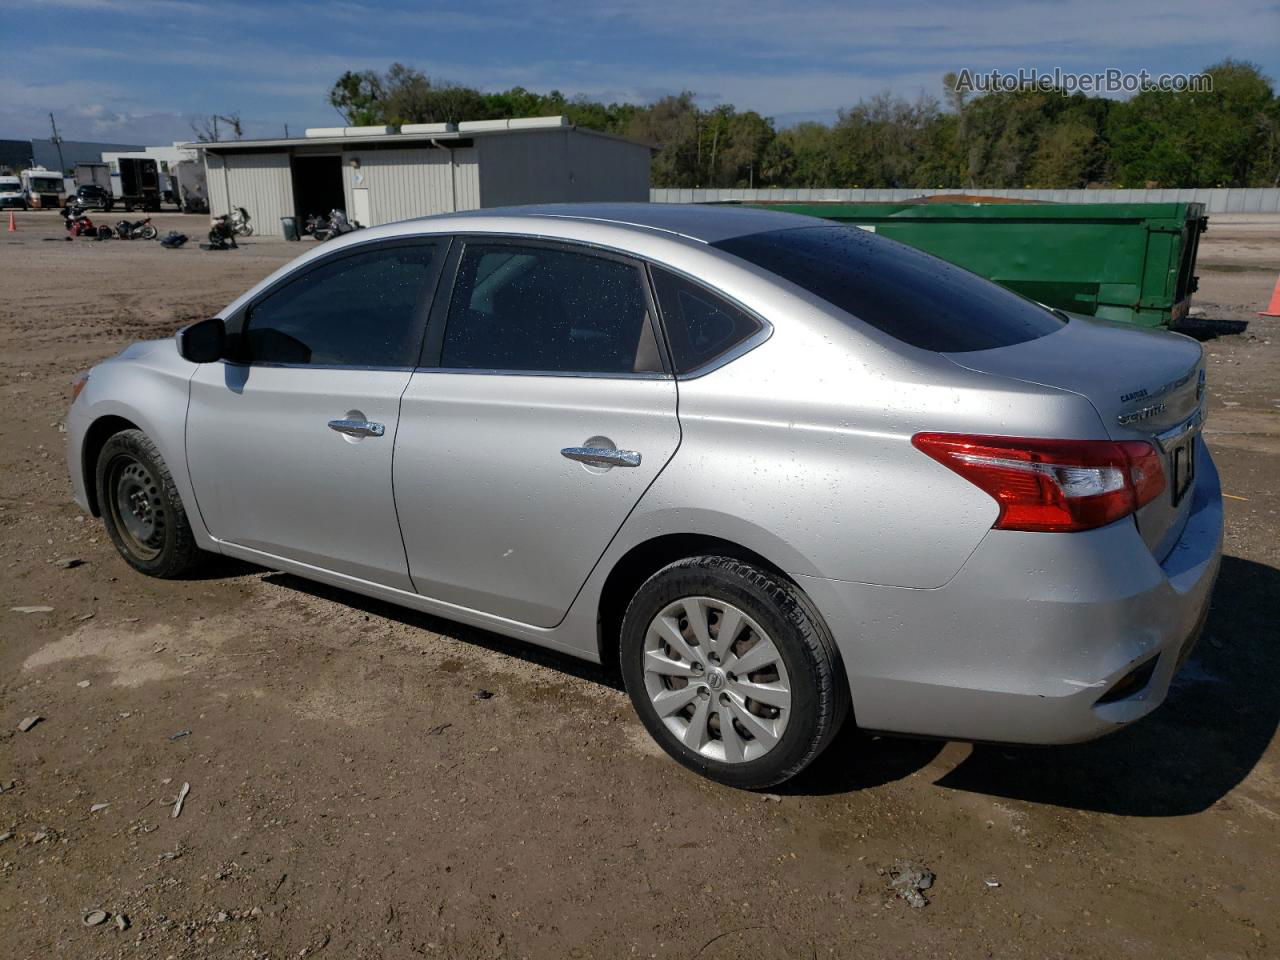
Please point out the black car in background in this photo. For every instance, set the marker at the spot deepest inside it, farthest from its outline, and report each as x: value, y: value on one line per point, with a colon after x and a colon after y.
x: 92, y: 196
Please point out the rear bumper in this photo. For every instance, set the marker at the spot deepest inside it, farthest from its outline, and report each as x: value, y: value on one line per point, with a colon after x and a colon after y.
x: 1020, y: 645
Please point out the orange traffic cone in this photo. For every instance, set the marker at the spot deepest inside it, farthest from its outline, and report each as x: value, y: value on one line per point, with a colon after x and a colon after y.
x: 1274, y: 309
x: 13, y: 223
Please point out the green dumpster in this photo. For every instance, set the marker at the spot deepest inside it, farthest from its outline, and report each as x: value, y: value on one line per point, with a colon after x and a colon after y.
x: 1132, y: 262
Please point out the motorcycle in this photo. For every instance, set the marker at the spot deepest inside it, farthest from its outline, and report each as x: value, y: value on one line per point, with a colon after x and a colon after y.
x: 78, y: 224
x: 137, y: 230
x: 312, y: 223
x: 222, y: 233
x: 239, y: 222
x: 335, y: 226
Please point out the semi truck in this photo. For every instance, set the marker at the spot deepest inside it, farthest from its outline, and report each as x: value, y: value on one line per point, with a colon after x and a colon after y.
x: 139, y: 184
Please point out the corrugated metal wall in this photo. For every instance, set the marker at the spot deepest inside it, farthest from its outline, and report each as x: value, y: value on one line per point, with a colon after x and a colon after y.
x: 529, y: 168
x: 602, y: 168
x: 557, y: 166
x: 414, y: 182
x: 544, y: 166
x: 1216, y: 199
x: 259, y: 182
x: 215, y: 177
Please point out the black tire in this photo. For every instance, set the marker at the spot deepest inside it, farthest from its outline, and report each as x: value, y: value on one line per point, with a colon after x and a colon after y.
x: 149, y: 233
x: 819, y: 693
x: 141, y: 509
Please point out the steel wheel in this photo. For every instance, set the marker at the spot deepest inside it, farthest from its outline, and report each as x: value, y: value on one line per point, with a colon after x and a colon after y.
x: 136, y: 506
x: 716, y: 679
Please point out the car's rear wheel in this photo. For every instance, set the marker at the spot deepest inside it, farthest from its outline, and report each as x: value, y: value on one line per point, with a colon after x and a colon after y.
x: 732, y: 671
x: 141, y: 509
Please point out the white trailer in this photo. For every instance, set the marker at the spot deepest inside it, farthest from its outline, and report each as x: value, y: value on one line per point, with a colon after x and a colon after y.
x: 98, y: 174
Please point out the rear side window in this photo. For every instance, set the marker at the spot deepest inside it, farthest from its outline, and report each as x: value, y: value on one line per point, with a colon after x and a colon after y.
x: 701, y: 326
x: 917, y: 298
x: 359, y: 311
x: 549, y: 310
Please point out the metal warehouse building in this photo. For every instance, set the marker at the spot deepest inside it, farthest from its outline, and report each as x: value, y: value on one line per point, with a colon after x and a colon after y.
x: 382, y: 174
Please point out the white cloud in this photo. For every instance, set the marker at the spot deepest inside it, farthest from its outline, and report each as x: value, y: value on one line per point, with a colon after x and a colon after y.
x: 274, y: 62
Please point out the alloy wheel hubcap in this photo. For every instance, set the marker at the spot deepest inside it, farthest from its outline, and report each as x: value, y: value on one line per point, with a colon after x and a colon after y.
x: 716, y: 679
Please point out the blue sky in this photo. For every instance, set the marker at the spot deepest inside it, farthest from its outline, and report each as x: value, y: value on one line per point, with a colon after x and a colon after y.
x: 138, y: 70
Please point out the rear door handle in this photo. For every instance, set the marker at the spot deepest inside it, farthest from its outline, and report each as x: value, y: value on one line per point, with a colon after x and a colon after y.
x: 358, y: 428
x: 602, y: 456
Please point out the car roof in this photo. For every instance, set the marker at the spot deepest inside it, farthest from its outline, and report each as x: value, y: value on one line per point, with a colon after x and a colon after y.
x: 707, y: 223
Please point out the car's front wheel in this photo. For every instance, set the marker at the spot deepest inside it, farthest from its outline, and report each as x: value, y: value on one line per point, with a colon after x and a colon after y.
x: 141, y: 509
x: 732, y: 671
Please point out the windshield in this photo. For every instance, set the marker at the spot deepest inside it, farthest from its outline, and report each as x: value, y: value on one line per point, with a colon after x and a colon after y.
x: 46, y: 184
x: 8, y: 185
x: 910, y: 295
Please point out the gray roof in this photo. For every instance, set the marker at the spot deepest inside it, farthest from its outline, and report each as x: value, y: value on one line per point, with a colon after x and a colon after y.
x: 392, y: 139
x: 704, y: 222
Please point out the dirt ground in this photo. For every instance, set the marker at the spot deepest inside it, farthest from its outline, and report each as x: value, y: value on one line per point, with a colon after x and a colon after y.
x: 352, y: 797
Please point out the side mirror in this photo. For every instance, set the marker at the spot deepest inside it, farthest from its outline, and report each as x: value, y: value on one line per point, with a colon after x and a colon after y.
x: 203, y: 342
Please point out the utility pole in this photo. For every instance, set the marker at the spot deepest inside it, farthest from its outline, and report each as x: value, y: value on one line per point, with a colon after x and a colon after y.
x: 57, y: 142
x: 286, y: 131
x: 215, y: 128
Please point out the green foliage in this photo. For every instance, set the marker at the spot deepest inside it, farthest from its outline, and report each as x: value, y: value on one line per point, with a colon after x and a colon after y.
x: 1229, y: 137
x: 1222, y: 138
x: 359, y: 98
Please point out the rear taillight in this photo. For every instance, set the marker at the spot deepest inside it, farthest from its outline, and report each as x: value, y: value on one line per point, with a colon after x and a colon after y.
x: 1052, y: 486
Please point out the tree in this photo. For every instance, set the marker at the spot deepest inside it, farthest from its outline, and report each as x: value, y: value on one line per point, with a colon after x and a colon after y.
x: 1017, y: 138
x: 358, y: 98
x: 1066, y: 154
x: 207, y: 129
x: 673, y: 124
x: 1213, y: 138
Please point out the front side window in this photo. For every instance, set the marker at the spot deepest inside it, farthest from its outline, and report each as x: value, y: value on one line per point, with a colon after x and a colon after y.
x: 701, y: 325
x: 364, y: 310
x: 549, y: 310
x: 915, y: 298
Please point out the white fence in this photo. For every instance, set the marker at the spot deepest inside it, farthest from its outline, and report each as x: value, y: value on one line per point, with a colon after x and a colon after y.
x: 1216, y: 199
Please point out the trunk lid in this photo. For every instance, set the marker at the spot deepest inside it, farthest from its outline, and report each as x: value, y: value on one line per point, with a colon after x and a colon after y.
x: 1145, y: 385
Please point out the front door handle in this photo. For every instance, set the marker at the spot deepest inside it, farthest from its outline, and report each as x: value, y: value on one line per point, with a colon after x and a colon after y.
x: 358, y: 428
x: 602, y: 456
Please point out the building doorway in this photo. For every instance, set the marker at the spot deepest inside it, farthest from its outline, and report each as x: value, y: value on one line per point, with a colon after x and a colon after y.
x: 317, y: 186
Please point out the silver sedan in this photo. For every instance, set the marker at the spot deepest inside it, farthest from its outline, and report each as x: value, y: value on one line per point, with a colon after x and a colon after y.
x: 782, y: 473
